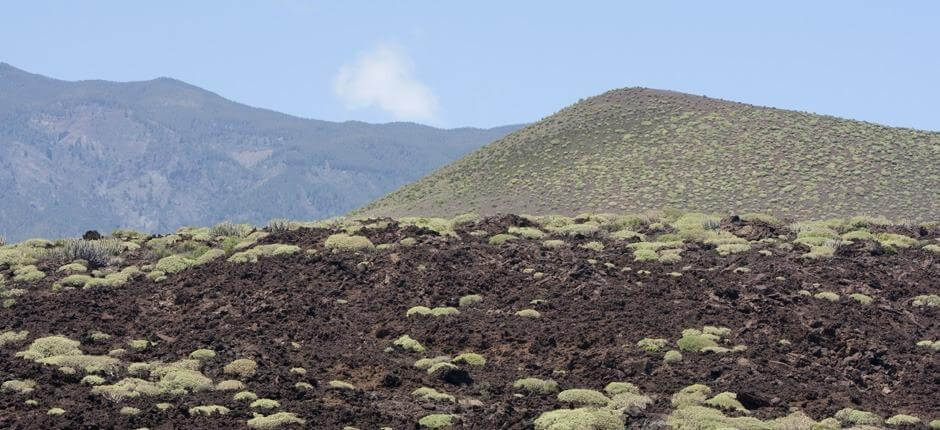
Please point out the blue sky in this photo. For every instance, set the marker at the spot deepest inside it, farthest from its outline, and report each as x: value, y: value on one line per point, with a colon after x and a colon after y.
x: 486, y: 63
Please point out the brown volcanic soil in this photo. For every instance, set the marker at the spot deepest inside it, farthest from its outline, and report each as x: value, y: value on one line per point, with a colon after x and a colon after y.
x: 842, y: 354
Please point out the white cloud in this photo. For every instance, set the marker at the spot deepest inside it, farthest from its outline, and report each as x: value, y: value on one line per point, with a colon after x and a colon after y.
x: 384, y: 78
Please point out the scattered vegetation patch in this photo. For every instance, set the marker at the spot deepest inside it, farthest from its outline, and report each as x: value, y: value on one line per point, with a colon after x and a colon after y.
x: 273, y: 421
x: 11, y: 337
x: 265, y: 404
x: 501, y: 238
x: 580, y: 419
x: 25, y: 386
x: 437, y: 421
x: 431, y: 395
x: 827, y: 295
x: 529, y: 313
x: 345, y: 243
x: 651, y: 345
x: 208, y: 410
x: 536, y: 386
x: 726, y: 400
x: 470, y: 300
x: 242, y: 367
x: 583, y: 397
x: 406, y: 343
x: 857, y: 417
x: 470, y: 358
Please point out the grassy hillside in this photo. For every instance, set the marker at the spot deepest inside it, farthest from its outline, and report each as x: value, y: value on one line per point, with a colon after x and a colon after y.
x: 635, y: 149
x: 159, y: 154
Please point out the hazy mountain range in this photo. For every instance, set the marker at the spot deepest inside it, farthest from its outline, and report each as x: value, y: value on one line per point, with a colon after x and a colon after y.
x: 159, y: 154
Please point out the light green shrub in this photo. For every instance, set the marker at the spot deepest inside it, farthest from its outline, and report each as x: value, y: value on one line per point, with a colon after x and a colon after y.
x: 579, y: 230
x: 615, y: 388
x: 202, y: 354
x: 431, y: 395
x: 418, y: 310
x: 470, y: 300
x: 265, y: 404
x: 27, y: 274
x: 651, y: 345
x: 273, y: 421
x: 902, y: 420
x: 56, y: 411
x: 406, y: 343
x: 245, y: 396
x: 726, y: 400
x: 861, y: 298
x: 92, y: 380
x: 593, y: 246
x: 583, y: 397
x: 501, y: 238
x: 536, y: 386
x: 928, y: 300
x: 208, y: 410
x: 470, y: 358
x: 580, y: 419
x: 695, y: 341
x: 230, y: 385
x: 10, y: 337
x: 242, y: 367
x: 527, y: 232
x: 426, y: 363
x: 529, y: 313
x: 437, y: 421
x: 695, y: 394
x: 341, y: 385
x: 857, y: 417
x: 827, y: 295
x: 173, y: 264
x: 345, y: 243
x: 672, y: 356
x: 128, y: 410
x: 553, y: 243
x: 25, y: 386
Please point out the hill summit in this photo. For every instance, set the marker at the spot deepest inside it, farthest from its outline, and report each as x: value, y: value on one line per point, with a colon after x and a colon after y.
x: 635, y: 149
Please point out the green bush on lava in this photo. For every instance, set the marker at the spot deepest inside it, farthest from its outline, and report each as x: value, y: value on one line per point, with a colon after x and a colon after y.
x: 701, y: 417
x: 426, y: 363
x: 470, y: 358
x: 893, y: 240
x: 208, y: 410
x: 672, y: 356
x: 645, y: 255
x: 230, y: 385
x: 431, y: 395
x: 536, y: 386
x: 501, y: 238
x: 529, y: 313
x: 695, y: 394
x: 272, y: 250
x: 857, y: 417
x: 437, y: 421
x: 273, y: 421
x: 926, y: 300
x: 265, y: 404
x: 726, y: 400
x: 202, y: 354
x: 580, y: 419
x: 827, y: 295
x: 406, y: 343
x: 650, y: 344
x: 245, y: 396
x: 342, y: 242
x: 615, y: 388
x: 128, y: 410
x: 55, y: 411
x: 583, y: 397
x: 10, y: 337
x: 696, y: 341
x: 341, y: 385
x: 593, y: 246
x: 242, y: 367
x: 527, y: 232
x: 902, y: 420
x: 25, y: 386
x: 861, y: 298
x: 470, y: 300
x: 27, y: 274
x: 93, y: 380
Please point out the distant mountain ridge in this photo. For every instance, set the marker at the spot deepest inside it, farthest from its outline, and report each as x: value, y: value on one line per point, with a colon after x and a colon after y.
x: 636, y: 149
x: 159, y: 154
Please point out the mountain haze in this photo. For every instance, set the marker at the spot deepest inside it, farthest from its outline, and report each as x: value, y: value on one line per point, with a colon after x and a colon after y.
x: 636, y: 149
x: 159, y: 154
